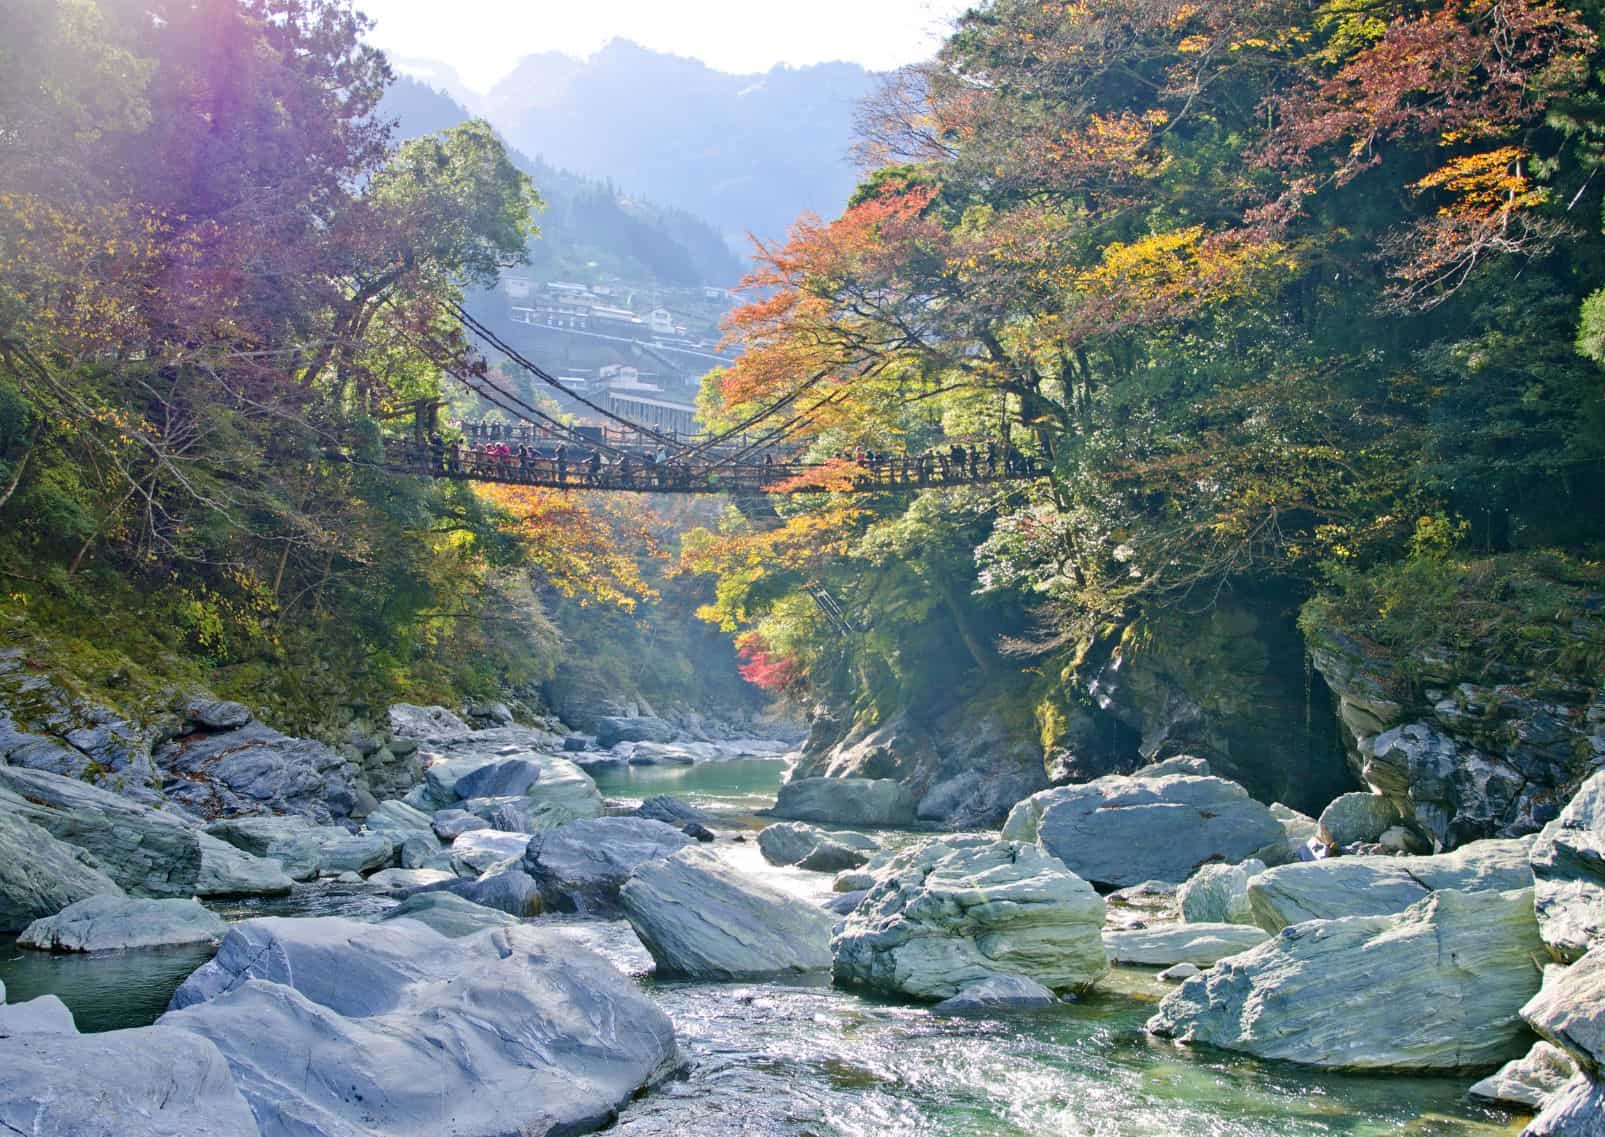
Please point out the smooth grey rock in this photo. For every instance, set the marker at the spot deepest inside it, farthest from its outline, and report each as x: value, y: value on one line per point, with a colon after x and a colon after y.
x: 1530, y: 1081
x: 843, y: 903
x: 1119, y: 830
x: 699, y: 918
x: 340, y: 851
x: 514, y: 1030
x: 998, y: 993
x: 441, y: 778
x: 1299, y: 828
x: 699, y: 832
x: 1358, y: 817
x: 45, y: 1015
x: 1218, y: 894
x: 951, y: 912
x: 813, y: 849
x: 40, y: 875
x: 450, y: 824
x: 581, y: 866
x: 672, y: 811
x: 875, y: 802
x: 227, y: 871
x: 1568, y: 861
x: 612, y: 730
x: 1570, y: 1011
x: 120, y: 923
x: 424, y: 851
x: 1436, y: 987
x: 510, y: 777
x: 504, y: 886
x: 1375, y: 886
x: 151, y: 1082
x: 398, y: 819
x: 478, y: 849
x: 425, y: 724
x: 407, y: 880
x: 1164, y: 946
x: 292, y: 841
x: 853, y: 880
x: 449, y: 914
x: 216, y: 714
x: 1179, y: 973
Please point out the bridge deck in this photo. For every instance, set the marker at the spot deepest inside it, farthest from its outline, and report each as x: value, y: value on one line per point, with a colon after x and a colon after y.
x: 892, y: 475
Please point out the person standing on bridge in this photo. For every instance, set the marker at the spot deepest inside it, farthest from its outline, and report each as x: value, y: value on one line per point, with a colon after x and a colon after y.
x: 593, y: 468
x: 437, y: 452
x: 562, y: 464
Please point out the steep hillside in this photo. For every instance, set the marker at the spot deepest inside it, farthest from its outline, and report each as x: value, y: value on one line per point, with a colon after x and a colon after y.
x: 587, y: 221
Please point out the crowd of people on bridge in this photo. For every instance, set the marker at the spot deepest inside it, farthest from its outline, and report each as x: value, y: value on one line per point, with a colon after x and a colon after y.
x: 509, y: 453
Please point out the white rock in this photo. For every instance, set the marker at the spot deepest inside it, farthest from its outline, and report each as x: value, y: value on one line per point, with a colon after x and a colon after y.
x: 1202, y: 944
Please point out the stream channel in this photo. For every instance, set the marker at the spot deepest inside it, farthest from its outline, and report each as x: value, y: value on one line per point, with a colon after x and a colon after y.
x: 806, y: 1060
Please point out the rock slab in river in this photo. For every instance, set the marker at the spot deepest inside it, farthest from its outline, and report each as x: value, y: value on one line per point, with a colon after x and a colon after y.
x: 39, y: 875
x: 1218, y: 894
x: 1379, y: 886
x: 449, y: 914
x: 953, y: 912
x: 846, y: 801
x: 811, y: 848
x: 1167, y: 945
x: 1568, y: 862
x: 702, y: 919
x: 121, y: 923
x: 1436, y: 987
x: 151, y: 1082
x: 1530, y: 1081
x: 1118, y: 831
x: 406, y: 1033
x: 581, y: 866
x: 998, y: 993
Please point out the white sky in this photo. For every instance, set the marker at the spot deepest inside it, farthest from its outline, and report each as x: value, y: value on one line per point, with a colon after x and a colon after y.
x: 484, y: 39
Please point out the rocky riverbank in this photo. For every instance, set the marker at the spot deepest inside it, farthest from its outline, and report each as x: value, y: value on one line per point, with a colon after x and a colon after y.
x: 1314, y: 940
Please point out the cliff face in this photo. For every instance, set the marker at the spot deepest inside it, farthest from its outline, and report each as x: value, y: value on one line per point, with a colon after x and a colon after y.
x: 1469, y: 694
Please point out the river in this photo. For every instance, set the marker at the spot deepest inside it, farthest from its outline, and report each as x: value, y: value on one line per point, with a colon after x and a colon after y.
x: 805, y: 1060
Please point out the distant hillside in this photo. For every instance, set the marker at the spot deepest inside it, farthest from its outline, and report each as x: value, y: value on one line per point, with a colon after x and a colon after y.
x: 747, y: 152
x: 589, y: 225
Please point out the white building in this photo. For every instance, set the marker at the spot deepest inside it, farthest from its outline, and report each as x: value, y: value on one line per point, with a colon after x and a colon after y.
x: 517, y: 287
x: 662, y: 321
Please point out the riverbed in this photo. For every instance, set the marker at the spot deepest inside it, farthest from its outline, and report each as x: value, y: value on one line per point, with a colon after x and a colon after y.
x: 806, y: 1060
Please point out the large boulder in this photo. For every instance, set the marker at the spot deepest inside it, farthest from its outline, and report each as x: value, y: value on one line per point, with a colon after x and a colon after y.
x: 581, y: 866
x: 1218, y: 894
x: 398, y: 819
x: 508, y: 777
x: 426, y: 724
x: 998, y: 993
x: 1119, y: 830
x: 1170, y: 944
x: 672, y: 811
x: 808, y: 847
x: 1569, y: 1012
x: 255, y: 769
x: 873, y: 802
x: 449, y: 914
x: 151, y: 1082
x: 120, y: 923
x: 1530, y: 1081
x: 613, y: 729
x: 340, y: 851
x: 1358, y: 818
x: 949, y: 913
x: 40, y: 875
x: 146, y: 851
x: 1377, y: 886
x: 45, y: 1015
x: 409, y: 880
x: 335, y: 1028
x: 505, y: 886
x: 479, y: 849
x: 701, y: 919
x: 1437, y: 987
x: 1568, y: 862
x: 292, y: 841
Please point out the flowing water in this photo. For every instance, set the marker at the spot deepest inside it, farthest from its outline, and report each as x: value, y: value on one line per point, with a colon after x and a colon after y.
x: 805, y: 1060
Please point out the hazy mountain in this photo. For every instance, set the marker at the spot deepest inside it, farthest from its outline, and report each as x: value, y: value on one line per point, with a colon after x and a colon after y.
x: 588, y: 223
x: 746, y: 152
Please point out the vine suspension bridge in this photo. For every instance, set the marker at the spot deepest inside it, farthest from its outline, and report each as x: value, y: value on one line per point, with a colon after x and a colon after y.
x: 623, y: 456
